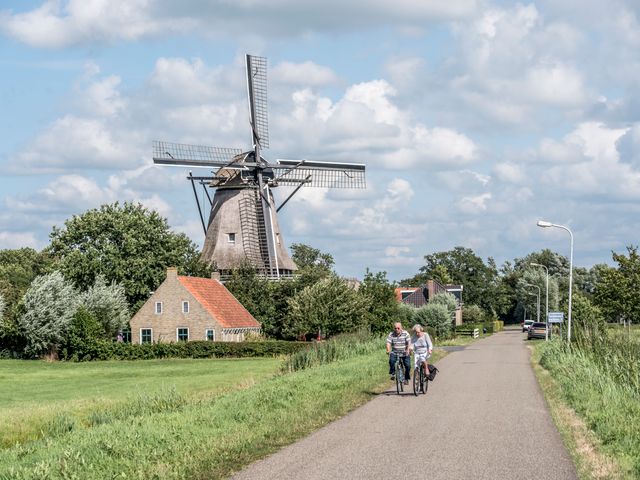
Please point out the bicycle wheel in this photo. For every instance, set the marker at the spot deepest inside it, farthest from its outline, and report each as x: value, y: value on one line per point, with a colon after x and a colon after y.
x: 417, y: 377
x: 398, y: 378
x: 424, y: 381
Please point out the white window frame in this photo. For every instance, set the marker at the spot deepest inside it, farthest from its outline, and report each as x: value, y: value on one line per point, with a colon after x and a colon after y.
x: 156, y: 308
x: 178, y: 338
x: 146, y: 328
x: 185, y: 303
x: 231, y: 238
x: 206, y: 334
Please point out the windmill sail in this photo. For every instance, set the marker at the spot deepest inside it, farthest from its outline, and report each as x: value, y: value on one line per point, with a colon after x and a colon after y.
x: 257, y: 90
x: 320, y: 174
x: 180, y: 154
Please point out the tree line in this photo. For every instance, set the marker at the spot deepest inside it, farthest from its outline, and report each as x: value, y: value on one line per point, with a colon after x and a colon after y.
x: 103, y: 265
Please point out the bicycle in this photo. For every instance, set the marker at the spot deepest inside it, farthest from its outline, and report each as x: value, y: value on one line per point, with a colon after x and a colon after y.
x: 399, y: 373
x: 420, y: 381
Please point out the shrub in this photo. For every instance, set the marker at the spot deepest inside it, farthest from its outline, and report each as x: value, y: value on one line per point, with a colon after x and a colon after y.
x: 49, y: 306
x: 473, y: 314
x: 108, y: 305
x: 84, y: 334
x: 436, y: 316
x: 329, y: 306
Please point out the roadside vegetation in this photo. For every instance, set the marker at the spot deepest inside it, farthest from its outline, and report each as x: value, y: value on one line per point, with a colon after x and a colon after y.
x: 593, y: 389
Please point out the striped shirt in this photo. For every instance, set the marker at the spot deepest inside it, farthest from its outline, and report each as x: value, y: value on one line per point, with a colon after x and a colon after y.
x: 421, y: 345
x: 399, y: 342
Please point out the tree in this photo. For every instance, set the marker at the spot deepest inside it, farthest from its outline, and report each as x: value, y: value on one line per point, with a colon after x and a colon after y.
x: 2, y: 307
x: 128, y: 244
x: 589, y: 327
x: 107, y: 304
x: 313, y: 265
x: 18, y: 268
x: 49, y: 306
x: 465, y: 268
x: 256, y: 294
x: 446, y: 299
x: 435, y: 316
x: 381, y: 301
x: 329, y: 307
x: 617, y: 291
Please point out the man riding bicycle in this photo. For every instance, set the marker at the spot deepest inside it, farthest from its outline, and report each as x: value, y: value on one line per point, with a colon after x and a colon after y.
x: 398, y: 346
x: 422, y: 347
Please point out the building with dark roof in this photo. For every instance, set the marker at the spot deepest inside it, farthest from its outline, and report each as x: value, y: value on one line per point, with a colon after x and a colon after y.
x: 419, y: 296
x: 191, y: 308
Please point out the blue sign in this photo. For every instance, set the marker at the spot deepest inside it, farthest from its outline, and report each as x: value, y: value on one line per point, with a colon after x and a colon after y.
x: 556, y: 317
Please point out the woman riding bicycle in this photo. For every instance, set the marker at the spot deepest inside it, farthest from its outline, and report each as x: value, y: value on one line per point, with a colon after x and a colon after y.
x: 422, y: 347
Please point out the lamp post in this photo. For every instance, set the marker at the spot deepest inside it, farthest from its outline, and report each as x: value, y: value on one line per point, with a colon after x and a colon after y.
x: 545, y: 224
x: 546, y: 302
x: 538, y: 294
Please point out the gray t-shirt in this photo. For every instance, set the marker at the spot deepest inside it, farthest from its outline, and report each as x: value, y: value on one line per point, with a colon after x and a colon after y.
x: 400, y: 342
x: 421, y: 345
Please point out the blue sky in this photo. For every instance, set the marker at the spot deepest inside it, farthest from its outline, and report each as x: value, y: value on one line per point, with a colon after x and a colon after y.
x: 474, y: 118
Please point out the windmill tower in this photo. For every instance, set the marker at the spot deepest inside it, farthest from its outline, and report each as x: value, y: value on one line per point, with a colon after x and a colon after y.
x: 242, y: 222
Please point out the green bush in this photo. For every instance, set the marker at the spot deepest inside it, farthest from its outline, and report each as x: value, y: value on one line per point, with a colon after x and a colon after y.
x: 109, y: 350
x: 473, y: 314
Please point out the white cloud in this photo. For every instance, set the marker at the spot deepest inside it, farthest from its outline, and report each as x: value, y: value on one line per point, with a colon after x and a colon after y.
x: 509, y: 172
x: 11, y: 240
x: 305, y: 73
x: 72, y: 142
x: 475, y: 204
x: 59, y: 23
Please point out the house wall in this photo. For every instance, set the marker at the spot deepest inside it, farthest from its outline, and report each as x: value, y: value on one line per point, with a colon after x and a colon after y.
x: 164, y: 325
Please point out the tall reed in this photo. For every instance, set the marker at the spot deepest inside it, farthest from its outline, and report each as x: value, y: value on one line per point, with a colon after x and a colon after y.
x: 340, y: 347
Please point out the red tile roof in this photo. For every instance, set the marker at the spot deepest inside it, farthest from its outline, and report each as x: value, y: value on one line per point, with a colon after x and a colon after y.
x: 219, y: 302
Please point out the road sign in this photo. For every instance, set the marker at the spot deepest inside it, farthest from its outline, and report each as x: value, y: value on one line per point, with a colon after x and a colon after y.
x: 556, y: 317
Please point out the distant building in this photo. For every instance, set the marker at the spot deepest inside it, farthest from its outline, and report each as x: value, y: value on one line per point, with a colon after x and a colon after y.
x: 191, y: 308
x: 419, y: 296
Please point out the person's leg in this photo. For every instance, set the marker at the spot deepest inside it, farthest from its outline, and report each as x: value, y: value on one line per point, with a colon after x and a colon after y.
x: 392, y: 361
x: 407, y: 367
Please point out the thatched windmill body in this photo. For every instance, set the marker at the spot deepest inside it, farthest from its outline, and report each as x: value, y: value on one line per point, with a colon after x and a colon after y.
x: 242, y: 222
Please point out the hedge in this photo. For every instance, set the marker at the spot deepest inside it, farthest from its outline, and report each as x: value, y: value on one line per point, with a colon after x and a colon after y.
x: 486, y: 327
x: 107, y: 350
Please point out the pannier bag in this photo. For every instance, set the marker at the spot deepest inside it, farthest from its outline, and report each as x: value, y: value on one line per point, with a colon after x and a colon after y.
x: 432, y: 373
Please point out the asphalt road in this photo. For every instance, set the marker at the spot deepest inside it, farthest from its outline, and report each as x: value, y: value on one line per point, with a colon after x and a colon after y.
x: 484, y: 417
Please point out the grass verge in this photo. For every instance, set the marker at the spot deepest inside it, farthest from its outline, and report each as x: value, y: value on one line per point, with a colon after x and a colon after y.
x: 208, y: 439
x: 597, y: 419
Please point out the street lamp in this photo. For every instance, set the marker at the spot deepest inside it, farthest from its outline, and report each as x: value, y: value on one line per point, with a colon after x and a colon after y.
x: 544, y: 224
x: 546, y: 321
x: 538, y: 294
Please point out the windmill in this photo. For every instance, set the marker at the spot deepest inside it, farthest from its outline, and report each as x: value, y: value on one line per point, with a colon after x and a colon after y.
x: 242, y: 221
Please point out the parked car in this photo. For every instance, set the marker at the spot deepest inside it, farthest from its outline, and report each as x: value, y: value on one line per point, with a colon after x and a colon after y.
x: 526, y: 324
x: 537, y: 330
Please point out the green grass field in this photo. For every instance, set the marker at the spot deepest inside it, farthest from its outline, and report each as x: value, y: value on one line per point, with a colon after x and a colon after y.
x: 35, y: 393
x: 175, y: 419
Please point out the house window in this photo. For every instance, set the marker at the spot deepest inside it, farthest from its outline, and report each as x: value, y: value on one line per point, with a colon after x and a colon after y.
x: 158, y: 308
x: 231, y: 237
x: 126, y: 335
x: 210, y: 334
x: 146, y: 335
x: 183, y: 334
x: 185, y: 306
